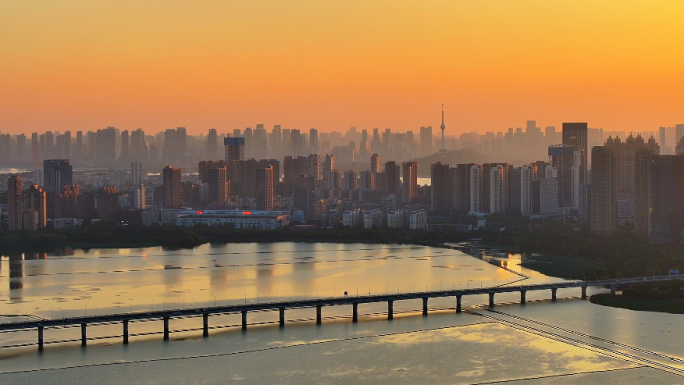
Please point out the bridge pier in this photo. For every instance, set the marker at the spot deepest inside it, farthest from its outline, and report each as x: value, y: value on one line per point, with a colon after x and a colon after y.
x: 40, y: 337
x: 282, y: 317
x: 491, y: 299
x: 553, y: 294
x: 523, y: 300
x: 584, y: 292
x: 390, y: 310
x: 166, y: 328
x: 425, y: 306
x: 319, y: 318
x: 355, y: 312
x: 458, y: 303
x: 612, y: 289
x: 244, y: 320
x: 205, y: 325
x: 84, y: 334
x: 125, y: 332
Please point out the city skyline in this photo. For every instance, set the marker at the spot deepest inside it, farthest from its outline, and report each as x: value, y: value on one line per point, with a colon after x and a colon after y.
x: 140, y: 65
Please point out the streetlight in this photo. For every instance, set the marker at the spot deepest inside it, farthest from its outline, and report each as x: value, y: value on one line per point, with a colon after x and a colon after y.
x: 426, y: 287
x: 304, y: 294
x: 385, y: 289
x: 183, y: 305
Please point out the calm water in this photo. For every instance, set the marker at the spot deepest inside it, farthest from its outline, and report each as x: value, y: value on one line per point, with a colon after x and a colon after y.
x: 544, y: 340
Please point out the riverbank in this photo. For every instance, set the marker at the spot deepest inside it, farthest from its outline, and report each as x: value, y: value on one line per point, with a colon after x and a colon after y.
x: 672, y: 306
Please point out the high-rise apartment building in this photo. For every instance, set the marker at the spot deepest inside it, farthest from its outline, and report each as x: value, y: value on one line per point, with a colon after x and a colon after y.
x: 468, y: 194
x: 442, y: 184
x: 426, y: 141
x: 136, y: 173
x: 576, y: 135
x: 667, y: 200
x: 264, y: 188
x: 212, y: 144
x: 35, y: 200
x: 603, y: 178
x: 105, y: 152
x: 235, y: 149
x: 313, y: 140
x: 217, y: 181
x: 375, y: 163
x: 410, y: 181
x: 171, y: 178
x: 392, y: 181
x: 57, y: 173
x: 14, y: 203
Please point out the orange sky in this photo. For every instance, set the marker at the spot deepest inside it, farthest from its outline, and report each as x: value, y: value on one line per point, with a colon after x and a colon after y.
x: 81, y: 65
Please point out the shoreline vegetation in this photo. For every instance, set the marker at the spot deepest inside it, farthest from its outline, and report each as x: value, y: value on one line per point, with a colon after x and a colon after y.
x: 548, y: 246
x: 664, y: 297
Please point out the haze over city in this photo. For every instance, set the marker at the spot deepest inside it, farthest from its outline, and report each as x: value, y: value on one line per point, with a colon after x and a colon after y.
x: 341, y: 192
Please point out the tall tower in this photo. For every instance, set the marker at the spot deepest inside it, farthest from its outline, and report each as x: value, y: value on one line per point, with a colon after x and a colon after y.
x: 442, y: 127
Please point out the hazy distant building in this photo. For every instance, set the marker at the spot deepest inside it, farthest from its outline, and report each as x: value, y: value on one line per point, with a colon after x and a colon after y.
x: 136, y: 173
x: 426, y: 140
x: 576, y: 135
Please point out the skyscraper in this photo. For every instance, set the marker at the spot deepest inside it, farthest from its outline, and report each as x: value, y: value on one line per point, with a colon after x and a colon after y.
x: 442, y: 188
x: 57, y: 173
x: 172, y: 187
x: 235, y: 149
x: 667, y: 200
x: 14, y: 203
x: 313, y: 139
x: 278, y: 142
x: 575, y: 135
x: 105, y: 153
x: 410, y: 181
x: 264, y: 188
x: 602, y: 191
x: 212, y: 144
x: 217, y: 180
x: 392, y: 181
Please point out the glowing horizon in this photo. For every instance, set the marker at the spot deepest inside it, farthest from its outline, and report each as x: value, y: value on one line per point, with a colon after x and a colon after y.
x: 306, y: 64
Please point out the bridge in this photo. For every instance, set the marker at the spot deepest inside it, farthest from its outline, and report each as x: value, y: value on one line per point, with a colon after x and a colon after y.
x: 205, y: 312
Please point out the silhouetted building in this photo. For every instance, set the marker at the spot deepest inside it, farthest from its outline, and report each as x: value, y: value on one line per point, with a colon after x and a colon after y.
x: 234, y: 149
x: 667, y: 199
x: 217, y: 182
x: 35, y: 200
x: 442, y: 184
x: 264, y: 188
x: 410, y: 181
x: 107, y: 202
x: 172, y: 187
x: 14, y: 203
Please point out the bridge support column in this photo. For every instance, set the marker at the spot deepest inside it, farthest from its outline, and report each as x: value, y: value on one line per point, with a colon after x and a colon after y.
x: 522, y: 296
x: 166, y: 328
x: 355, y: 312
x: 319, y: 318
x: 84, y: 334
x: 282, y: 316
x: 425, y: 307
x: 390, y: 310
x: 125, y: 332
x: 458, y: 303
x: 584, y: 292
x: 40, y: 337
x: 612, y: 289
x: 205, y: 325
x: 244, y: 320
x: 553, y: 294
x: 491, y: 299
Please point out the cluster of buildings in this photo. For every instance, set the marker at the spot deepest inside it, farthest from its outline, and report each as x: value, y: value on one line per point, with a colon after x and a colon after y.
x: 268, y: 180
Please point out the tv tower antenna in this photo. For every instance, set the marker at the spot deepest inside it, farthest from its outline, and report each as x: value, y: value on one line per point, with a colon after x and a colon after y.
x: 442, y: 127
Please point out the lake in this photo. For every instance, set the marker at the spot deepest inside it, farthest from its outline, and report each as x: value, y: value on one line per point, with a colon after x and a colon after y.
x: 569, y: 341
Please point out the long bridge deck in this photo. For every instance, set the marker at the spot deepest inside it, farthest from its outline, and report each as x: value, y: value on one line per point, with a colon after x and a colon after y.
x: 318, y: 303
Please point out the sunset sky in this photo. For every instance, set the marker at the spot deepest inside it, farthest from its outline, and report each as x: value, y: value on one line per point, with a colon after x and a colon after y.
x: 83, y: 65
